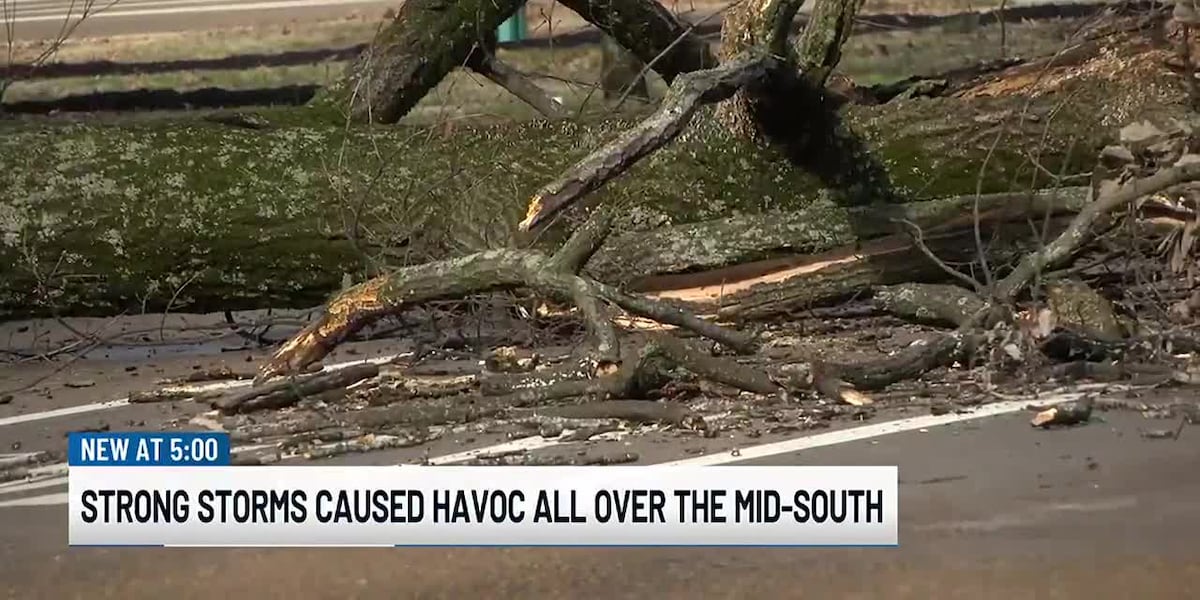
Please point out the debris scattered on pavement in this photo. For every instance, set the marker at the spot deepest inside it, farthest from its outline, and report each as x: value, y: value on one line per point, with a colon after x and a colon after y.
x: 1068, y: 413
x: 634, y: 411
x: 79, y: 383
x: 1159, y: 434
x: 1165, y: 434
x: 6, y: 398
x: 584, y: 434
x: 162, y: 395
x: 221, y: 373
x: 94, y: 429
x: 288, y: 392
x: 510, y: 359
x: 540, y: 460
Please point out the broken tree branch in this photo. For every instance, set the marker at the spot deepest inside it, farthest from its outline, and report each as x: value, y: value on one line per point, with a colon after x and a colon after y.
x: 686, y: 94
x: 716, y: 369
x: 1080, y: 229
x: 936, y: 303
x: 481, y: 272
x: 289, y: 391
x: 517, y: 83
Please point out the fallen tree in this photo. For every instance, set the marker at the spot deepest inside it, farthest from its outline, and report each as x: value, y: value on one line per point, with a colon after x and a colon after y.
x: 761, y: 76
x: 810, y: 195
x: 278, y: 211
x: 774, y: 131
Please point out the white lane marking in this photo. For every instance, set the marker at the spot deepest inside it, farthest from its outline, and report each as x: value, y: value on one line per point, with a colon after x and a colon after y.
x: 536, y: 442
x: 523, y: 444
x: 57, y: 470
x: 76, y: 8
x: 48, y: 500
x: 854, y: 434
x: 217, y: 385
x: 63, y: 412
x: 117, y: 12
x: 762, y: 450
x: 17, y: 487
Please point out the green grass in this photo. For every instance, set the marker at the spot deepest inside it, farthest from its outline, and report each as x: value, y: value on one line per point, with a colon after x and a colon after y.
x: 570, y: 73
x: 888, y: 56
x: 358, y: 27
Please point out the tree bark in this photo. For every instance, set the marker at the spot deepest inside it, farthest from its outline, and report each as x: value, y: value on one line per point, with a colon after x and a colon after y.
x: 408, y: 57
x: 199, y: 216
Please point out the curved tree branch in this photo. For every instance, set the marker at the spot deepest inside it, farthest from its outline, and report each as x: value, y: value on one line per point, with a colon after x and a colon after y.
x: 686, y: 95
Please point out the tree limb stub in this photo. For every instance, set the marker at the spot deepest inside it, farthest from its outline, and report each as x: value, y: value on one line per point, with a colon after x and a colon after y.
x: 759, y: 23
x: 790, y: 108
x: 686, y: 94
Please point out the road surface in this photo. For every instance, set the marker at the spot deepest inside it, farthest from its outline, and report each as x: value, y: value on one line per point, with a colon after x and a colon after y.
x: 44, y: 19
x: 990, y: 508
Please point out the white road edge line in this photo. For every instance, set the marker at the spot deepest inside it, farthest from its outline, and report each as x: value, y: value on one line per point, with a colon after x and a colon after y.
x: 522, y: 444
x: 217, y: 385
x: 38, y: 475
x: 763, y: 450
x: 865, y: 432
x: 197, y: 9
x: 43, y: 475
x: 25, y: 486
x: 47, y: 500
x: 64, y: 8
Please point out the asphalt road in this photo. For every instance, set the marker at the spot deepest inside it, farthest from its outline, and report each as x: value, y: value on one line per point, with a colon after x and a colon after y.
x: 990, y: 507
x: 44, y: 19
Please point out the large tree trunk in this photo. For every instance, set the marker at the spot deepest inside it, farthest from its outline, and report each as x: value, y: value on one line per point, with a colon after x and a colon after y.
x: 199, y: 216
x: 202, y: 214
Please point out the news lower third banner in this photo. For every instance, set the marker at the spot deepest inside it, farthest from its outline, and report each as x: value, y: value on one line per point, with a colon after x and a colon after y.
x: 178, y: 489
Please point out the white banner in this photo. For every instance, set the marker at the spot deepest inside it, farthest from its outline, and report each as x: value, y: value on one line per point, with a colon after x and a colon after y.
x: 484, y: 506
